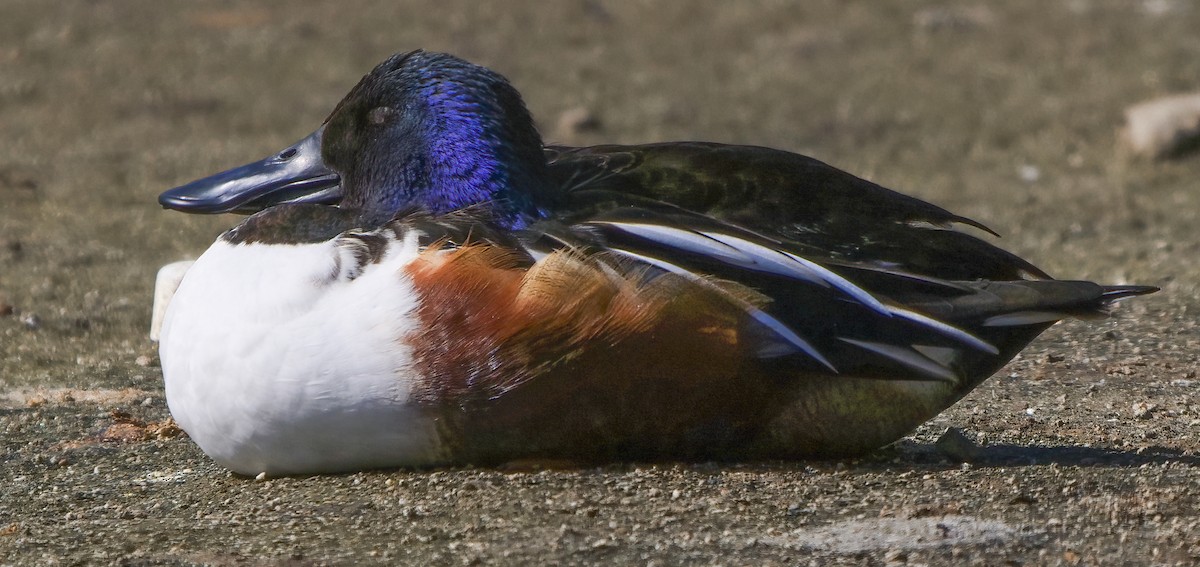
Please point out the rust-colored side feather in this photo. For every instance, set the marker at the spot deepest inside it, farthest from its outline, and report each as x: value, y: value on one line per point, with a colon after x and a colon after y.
x: 488, y: 326
x: 574, y: 357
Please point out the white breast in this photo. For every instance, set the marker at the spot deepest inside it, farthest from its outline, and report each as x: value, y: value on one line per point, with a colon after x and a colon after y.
x: 289, y: 359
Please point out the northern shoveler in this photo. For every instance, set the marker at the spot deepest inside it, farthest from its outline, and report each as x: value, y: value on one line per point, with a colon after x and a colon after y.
x: 422, y: 283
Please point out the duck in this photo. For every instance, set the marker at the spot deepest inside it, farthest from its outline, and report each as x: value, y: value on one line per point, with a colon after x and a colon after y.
x: 422, y: 282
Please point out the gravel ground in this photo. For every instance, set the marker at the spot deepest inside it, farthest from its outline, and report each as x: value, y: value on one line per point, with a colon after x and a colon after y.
x: 1082, y: 451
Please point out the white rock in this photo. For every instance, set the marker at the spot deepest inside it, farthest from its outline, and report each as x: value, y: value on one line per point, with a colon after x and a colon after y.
x: 1142, y: 410
x: 1163, y: 127
x: 165, y: 285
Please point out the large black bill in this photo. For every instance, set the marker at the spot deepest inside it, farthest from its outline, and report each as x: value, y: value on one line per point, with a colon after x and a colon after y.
x: 295, y: 175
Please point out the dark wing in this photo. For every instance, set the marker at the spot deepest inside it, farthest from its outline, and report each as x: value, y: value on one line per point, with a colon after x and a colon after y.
x: 862, y: 281
x: 815, y: 318
x: 820, y: 316
x: 785, y: 196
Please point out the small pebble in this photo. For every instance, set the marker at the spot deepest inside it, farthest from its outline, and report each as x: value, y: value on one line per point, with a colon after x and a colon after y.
x: 957, y: 18
x: 956, y: 445
x: 575, y: 121
x: 1029, y: 173
x: 31, y: 321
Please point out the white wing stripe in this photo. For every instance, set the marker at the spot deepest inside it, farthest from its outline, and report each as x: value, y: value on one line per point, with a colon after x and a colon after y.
x: 767, y: 260
x: 750, y: 255
x: 812, y: 271
x: 686, y: 240
x: 1019, y: 318
x: 775, y: 325
x: 947, y: 330
x: 908, y: 357
x: 843, y: 284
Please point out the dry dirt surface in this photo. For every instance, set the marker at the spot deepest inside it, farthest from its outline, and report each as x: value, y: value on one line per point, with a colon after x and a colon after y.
x: 1083, y: 451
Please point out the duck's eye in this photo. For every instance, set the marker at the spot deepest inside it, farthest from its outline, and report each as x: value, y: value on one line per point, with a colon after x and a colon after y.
x: 380, y: 115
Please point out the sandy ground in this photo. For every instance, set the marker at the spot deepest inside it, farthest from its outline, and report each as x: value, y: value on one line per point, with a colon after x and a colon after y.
x: 1005, y: 112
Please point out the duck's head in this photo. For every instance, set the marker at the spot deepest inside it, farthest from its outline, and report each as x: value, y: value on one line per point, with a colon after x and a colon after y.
x: 421, y: 130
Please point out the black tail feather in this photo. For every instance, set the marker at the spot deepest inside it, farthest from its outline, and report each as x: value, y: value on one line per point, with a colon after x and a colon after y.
x: 1113, y: 293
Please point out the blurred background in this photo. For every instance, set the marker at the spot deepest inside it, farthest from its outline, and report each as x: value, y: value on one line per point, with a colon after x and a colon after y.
x: 1006, y: 112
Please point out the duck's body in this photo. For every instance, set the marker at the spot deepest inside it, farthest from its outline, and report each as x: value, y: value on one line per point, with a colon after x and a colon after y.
x: 473, y: 300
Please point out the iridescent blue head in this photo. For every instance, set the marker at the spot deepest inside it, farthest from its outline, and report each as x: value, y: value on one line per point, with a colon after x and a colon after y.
x: 432, y: 130
x: 424, y: 130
